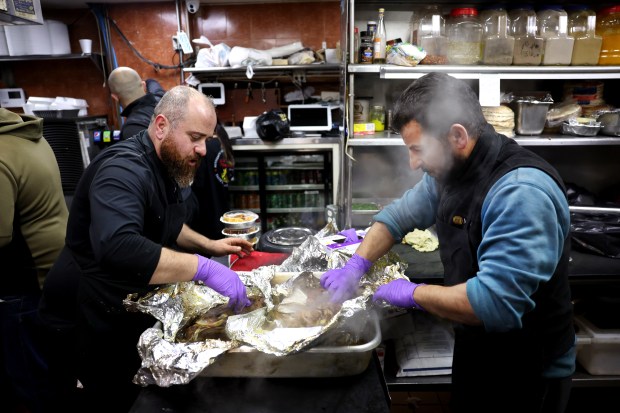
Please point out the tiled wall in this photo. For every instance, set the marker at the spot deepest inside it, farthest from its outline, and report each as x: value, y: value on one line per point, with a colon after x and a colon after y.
x: 150, y: 26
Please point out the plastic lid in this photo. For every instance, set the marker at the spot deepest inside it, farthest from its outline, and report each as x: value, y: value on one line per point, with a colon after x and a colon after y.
x: 289, y: 235
x: 464, y: 11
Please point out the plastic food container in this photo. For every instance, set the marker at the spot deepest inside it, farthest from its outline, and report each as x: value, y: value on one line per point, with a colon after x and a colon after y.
x: 576, y: 129
x: 598, y: 350
x: 250, y: 234
x: 610, y: 122
x: 530, y: 115
x: 239, y: 219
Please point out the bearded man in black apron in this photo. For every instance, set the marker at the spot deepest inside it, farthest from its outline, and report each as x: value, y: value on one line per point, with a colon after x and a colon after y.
x: 126, y: 234
x: 502, y: 220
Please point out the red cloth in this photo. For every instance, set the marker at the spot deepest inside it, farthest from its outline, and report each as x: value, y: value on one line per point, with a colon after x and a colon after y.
x: 256, y: 259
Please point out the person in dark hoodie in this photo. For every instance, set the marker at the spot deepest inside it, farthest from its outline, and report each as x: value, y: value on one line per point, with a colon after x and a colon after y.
x: 33, y: 221
x: 137, y: 97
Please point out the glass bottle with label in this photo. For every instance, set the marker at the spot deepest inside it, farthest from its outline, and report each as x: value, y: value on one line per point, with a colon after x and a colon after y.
x: 464, y: 37
x: 587, y: 47
x: 529, y: 46
x: 365, y: 52
x: 609, y: 29
x: 379, y: 42
x: 498, y: 45
x: 553, y: 27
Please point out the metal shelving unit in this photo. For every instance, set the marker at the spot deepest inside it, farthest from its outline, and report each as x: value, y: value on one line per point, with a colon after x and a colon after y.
x: 592, y: 157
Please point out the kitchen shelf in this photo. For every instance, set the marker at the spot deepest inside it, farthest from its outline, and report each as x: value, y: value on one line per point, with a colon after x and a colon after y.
x: 232, y: 187
x: 96, y: 58
x: 294, y: 187
x: 394, y: 139
x: 291, y: 210
x: 314, y: 67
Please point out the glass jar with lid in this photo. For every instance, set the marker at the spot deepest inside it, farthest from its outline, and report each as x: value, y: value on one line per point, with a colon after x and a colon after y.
x: 377, y: 116
x: 582, y: 26
x: 608, y: 28
x: 553, y: 28
x: 498, y: 45
x: 464, y: 33
x: 529, y: 46
x: 435, y: 43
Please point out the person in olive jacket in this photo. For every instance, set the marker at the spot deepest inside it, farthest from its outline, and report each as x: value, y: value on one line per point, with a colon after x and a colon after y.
x: 33, y: 220
x: 126, y: 234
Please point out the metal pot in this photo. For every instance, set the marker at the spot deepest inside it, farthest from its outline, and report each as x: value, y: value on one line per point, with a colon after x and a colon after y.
x: 283, y: 239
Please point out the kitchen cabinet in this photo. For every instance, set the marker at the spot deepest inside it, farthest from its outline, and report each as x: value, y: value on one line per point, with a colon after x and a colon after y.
x: 377, y: 166
x: 288, y: 183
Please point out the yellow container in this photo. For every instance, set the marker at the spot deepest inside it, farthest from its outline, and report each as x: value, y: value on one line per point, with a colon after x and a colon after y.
x: 608, y: 28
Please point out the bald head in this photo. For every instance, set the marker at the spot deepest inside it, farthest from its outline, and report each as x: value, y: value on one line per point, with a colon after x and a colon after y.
x: 126, y: 85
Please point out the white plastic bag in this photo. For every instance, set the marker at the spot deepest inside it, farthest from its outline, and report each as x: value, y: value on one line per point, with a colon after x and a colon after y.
x: 210, y: 55
x: 243, y: 56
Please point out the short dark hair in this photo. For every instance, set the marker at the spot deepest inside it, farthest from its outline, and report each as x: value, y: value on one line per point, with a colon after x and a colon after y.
x: 437, y: 101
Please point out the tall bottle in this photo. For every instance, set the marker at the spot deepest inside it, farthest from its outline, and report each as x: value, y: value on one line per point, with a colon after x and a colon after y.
x: 378, y: 44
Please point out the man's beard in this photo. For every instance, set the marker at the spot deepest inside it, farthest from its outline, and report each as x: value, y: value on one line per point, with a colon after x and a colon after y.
x: 178, y: 167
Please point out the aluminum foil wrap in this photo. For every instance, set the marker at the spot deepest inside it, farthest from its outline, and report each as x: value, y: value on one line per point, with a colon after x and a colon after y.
x: 166, y: 361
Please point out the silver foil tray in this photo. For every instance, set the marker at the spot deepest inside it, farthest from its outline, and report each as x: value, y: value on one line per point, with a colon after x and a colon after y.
x: 319, y: 361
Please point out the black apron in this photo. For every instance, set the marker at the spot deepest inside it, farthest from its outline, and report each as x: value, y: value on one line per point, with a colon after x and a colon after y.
x: 498, y: 371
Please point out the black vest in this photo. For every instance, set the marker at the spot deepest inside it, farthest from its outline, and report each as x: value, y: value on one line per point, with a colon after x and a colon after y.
x: 506, y: 363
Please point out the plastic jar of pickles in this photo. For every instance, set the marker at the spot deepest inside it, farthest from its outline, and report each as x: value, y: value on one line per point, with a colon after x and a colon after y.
x: 608, y: 28
x: 464, y: 33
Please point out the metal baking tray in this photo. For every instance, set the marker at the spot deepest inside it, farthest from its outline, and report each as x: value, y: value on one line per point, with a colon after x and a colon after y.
x: 319, y: 361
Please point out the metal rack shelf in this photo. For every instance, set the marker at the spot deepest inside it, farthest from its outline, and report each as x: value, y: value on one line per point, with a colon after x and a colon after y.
x: 394, y: 139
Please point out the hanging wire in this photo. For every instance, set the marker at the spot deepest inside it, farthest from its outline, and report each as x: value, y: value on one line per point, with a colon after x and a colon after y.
x: 156, y: 65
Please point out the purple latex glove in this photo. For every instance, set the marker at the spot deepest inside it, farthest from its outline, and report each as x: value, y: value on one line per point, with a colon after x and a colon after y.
x: 342, y: 283
x: 399, y: 293
x: 223, y: 280
x: 350, y: 235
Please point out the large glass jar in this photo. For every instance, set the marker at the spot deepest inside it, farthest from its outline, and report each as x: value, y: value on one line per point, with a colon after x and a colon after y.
x: 425, y: 23
x: 435, y: 43
x: 553, y: 28
x: 518, y: 17
x: 529, y: 46
x: 609, y: 29
x: 587, y: 47
x: 464, y: 37
x: 578, y: 18
x: 498, y: 45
